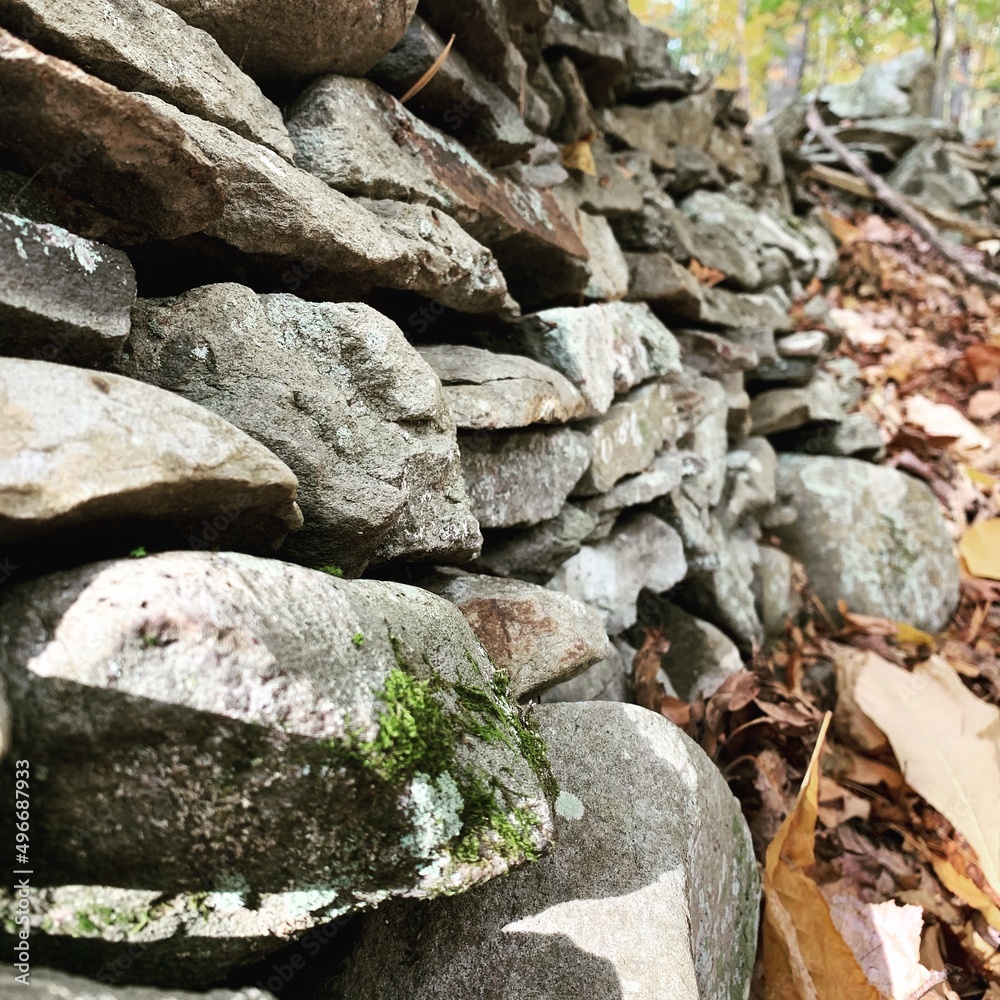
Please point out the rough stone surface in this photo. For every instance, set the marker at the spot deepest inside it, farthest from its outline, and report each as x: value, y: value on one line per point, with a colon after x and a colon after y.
x: 338, y: 36
x: 206, y: 698
x: 86, y: 455
x: 63, y: 297
x: 900, y: 86
x: 362, y: 141
x: 458, y: 98
x: 779, y: 599
x: 787, y: 409
x: 872, y: 536
x: 627, y: 438
x: 46, y: 984
x: 700, y: 657
x: 141, y: 45
x: 140, y: 167
x: 642, y: 899
x: 931, y: 175
x: 536, y: 553
x: 664, y: 474
x: 641, y: 552
x: 538, y: 636
x: 607, y: 267
x: 658, y: 279
x: 602, y: 349
x: 336, y: 391
x: 487, y: 391
x: 522, y: 477
x: 277, y: 212
x: 609, y: 680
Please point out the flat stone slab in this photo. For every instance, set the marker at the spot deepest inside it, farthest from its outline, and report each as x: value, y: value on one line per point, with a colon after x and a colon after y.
x: 207, y: 699
x: 88, y: 457
x: 63, y: 297
x: 539, y: 637
x: 603, y: 349
x: 488, y: 391
x: 335, y: 390
x: 519, y: 478
x: 362, y: 141
x: 108, y: 147
x: 141, y: 45
x: 276, y: 211
x: 641, y: 899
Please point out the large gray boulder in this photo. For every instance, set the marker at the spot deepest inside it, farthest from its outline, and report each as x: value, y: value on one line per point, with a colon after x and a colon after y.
x: 89, y: 459
x: 872, y: 536
x: 337, y: 392
x: 651, y: 892
x: 283, y: 47
x: 303, y: 744
x: 897, y: 87
x: 140, y: 45
x: 62, y: 297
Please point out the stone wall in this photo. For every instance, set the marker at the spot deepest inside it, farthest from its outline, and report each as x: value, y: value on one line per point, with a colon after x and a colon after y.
x: 333, y: 427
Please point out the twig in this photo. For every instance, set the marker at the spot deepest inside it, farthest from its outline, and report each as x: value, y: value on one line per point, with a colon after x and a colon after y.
x: 936, y: 979
x: 975, y: 272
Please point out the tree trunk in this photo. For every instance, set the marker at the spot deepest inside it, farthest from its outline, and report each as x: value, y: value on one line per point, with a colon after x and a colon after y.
x: 945, y: 45
x: 743, y: 63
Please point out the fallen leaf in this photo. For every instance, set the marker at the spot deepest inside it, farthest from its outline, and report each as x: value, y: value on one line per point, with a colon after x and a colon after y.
x: 708, y: 276
x: 980, y: 548
x: 859, y: 330
x: 886, y: 939
x: 967, y: 890
x: 985, y: 404
x: 940, y: 420
x: 984, y: 360
x: 804, y: 953
x: 579, y: 156
x: 947, y: 742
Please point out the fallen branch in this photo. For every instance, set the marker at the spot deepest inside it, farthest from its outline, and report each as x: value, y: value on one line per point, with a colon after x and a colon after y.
x: 974, y: 271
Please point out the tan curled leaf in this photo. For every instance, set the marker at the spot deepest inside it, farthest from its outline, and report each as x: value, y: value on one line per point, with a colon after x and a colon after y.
x: 947, y: 742
x: 579, y: 156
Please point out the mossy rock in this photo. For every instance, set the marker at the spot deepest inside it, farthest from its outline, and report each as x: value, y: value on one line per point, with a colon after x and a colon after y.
x: 256, y: 765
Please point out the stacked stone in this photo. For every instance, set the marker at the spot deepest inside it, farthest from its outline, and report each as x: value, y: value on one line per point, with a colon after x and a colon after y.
x: 521, y: 342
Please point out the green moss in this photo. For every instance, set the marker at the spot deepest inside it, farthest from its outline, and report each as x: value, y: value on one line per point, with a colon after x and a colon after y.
x: 332, y: 570
x: 358, y: 639
x: 414, y: 733
x: 85, y: 923
x: 138, y: 553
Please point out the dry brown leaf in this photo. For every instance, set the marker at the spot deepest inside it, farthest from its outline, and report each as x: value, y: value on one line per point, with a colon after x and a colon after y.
x: 967, y: 890
x: 580, y: 156
x: 708, y: 276
x: 804, y: 954
x: 886, y: 939
x: 947, y: 742
x: 984, y: 360
x: 980, y: 548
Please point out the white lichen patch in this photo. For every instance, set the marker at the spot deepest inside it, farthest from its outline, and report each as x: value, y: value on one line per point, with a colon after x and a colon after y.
x: 434, y: 806
x: 568, y: 806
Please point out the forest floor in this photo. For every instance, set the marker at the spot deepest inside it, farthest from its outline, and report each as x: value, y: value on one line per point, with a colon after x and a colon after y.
x: 881, y: 859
